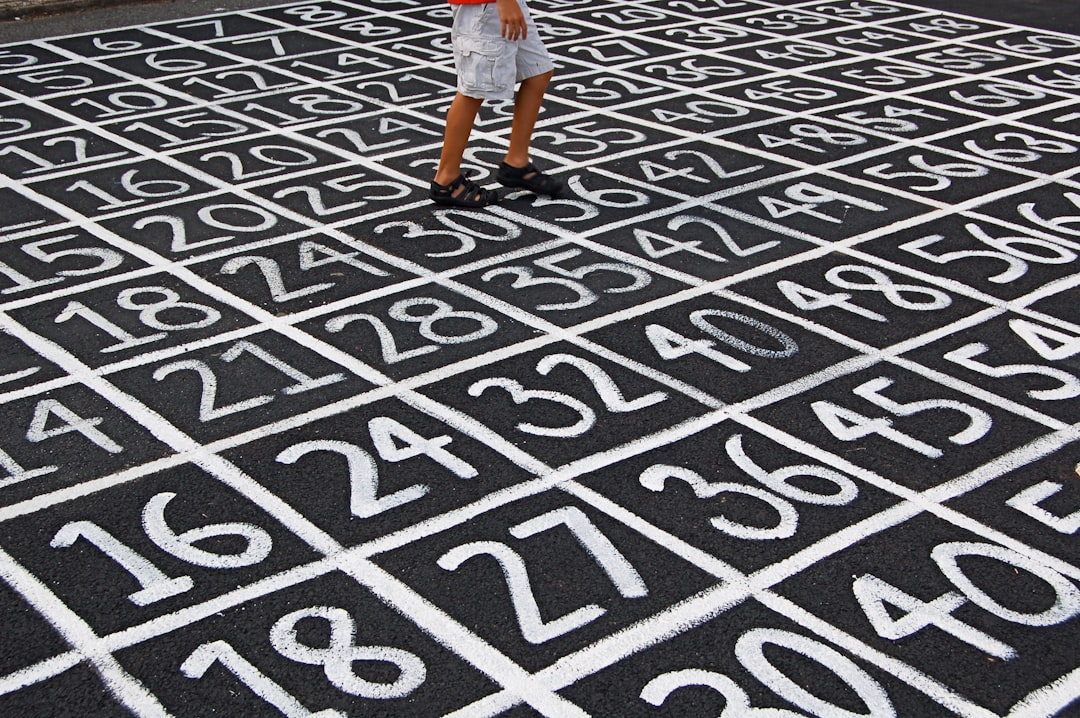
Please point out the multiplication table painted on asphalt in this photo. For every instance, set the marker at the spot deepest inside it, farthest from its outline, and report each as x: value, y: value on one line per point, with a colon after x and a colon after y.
x: 771, y: 412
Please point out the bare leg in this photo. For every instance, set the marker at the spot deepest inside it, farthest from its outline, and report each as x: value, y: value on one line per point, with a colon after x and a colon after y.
x: 459, y: 123
x: 527, y: 103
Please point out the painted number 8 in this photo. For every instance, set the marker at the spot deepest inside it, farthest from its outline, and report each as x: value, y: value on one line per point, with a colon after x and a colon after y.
x: 338, y: 657
x: 150, y: 312
x: 442, y: 310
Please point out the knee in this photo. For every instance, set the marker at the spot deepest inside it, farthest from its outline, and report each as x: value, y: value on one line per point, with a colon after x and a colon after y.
x: 541, y: 80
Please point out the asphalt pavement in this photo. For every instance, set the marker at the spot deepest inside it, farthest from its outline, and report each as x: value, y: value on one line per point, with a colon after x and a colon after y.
x: 773, y: 412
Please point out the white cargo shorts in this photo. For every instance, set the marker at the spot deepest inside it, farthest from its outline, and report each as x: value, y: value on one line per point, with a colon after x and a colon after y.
x: 489, y: 65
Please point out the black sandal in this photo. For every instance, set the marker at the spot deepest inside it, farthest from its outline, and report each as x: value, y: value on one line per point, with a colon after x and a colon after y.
x: 473, y: 195
x: 538, y: 182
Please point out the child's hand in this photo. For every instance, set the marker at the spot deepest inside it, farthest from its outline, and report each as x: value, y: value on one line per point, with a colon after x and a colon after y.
x: 513, y: 19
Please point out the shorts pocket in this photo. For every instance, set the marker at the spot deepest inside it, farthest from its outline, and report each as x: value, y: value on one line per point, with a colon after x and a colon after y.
x: 478, y: 61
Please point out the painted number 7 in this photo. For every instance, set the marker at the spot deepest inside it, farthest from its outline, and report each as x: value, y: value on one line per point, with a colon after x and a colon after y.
x: 534, y: 629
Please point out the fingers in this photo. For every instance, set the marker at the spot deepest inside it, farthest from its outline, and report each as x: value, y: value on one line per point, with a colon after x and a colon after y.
x: 514, y: 29
x: 513, y: 20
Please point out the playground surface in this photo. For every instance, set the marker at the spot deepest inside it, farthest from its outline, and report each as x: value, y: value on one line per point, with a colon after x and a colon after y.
x: 774, y: 412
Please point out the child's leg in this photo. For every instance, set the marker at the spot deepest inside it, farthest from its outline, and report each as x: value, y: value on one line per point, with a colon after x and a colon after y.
x: 516, y: 170
x: 530, y: 96
x: 459, y: 123
x: 450, y: 187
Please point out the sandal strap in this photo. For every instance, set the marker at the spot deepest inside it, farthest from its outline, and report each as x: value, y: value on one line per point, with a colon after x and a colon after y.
x: 517, y: 172
x: 474, y: 192
x: 539, y: 182
x: 471, y: 195
x: 446, y: 189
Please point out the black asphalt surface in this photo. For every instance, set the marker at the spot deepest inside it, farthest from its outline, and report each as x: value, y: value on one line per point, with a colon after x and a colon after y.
x: 772, y: 413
